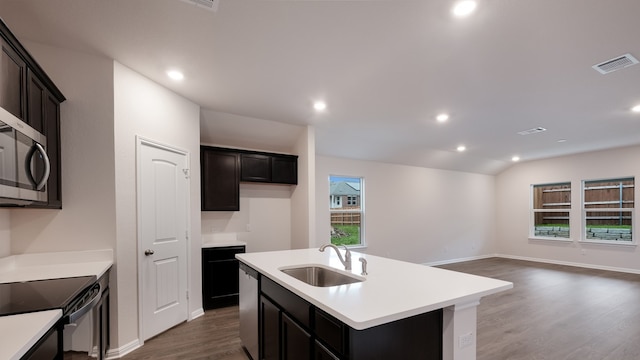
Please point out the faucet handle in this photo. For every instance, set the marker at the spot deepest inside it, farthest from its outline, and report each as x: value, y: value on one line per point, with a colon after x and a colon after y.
x: 347, y: 253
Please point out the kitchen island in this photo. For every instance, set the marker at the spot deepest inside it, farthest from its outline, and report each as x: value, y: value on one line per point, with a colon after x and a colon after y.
x: 391, y: 294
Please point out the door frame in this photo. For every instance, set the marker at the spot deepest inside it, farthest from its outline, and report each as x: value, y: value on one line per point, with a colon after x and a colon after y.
x: 143, y: 141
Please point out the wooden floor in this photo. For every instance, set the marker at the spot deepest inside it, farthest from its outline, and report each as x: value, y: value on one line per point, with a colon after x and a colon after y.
x: 553, y: 312
x: 215, y: 335
x: 557, y: 312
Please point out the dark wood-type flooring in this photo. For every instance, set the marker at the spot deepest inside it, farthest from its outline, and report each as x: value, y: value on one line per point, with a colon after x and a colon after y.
x: 553, y: 312
x: 556, y: 312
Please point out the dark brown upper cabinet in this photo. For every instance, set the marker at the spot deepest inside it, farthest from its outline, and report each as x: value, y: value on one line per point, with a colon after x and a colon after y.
x: 255, y: 167
x: 13, y: 75
x: 27, y: 92
x: 223, y: 169
x: 220, y: 187
x: 284, y: 169
x: 269, y: 168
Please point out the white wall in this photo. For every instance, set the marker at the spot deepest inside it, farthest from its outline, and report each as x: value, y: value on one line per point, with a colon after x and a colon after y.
x: 87, y: 218
x: 5, y: 233
x: 512, y: 203
x: 303, y: 225
x: 147, y: 109
x: 265, y: 208
x: 415, y: 214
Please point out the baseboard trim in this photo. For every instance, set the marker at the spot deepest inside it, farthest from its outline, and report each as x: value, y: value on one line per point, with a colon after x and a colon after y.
x: 526, y: 258
x: 123, y: 350
x: 568, y: 263
x: 196, y: 314
x: 453, y: 261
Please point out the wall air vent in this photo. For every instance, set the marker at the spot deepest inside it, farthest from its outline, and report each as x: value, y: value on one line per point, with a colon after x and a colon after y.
x: 617, y: 63
x: 532, y: 131
x: 206, y: 4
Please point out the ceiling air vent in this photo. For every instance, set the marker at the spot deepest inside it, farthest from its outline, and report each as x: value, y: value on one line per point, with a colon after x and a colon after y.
x: 532, y: 131
x: 206, y: 4
x: 618, y: 63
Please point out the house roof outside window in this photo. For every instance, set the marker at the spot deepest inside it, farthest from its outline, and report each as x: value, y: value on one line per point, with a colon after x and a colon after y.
x: 343, y: 189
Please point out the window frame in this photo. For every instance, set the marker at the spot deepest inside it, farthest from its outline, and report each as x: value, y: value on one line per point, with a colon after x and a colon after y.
x: 345, y: 202
x: 584, y: 211
x: 533, y: 211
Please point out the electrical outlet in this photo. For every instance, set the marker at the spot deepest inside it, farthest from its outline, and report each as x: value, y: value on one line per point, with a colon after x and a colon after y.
x: 465, y: 340
x: 248, y: 227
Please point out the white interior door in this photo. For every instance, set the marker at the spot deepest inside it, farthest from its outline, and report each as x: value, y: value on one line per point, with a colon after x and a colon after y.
x: 162, y: 223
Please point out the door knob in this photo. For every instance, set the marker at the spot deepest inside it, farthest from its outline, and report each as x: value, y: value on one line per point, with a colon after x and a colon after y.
x: 149, y: 252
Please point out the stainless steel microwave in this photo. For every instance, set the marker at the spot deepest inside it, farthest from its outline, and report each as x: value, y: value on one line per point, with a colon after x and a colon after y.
x: 24, y: 165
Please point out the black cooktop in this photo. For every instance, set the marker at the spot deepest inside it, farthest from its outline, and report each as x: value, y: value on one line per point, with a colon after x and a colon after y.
x: 29, y: 296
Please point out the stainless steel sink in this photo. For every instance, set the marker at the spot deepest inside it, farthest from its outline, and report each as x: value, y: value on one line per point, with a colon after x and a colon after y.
x: 320, y: 276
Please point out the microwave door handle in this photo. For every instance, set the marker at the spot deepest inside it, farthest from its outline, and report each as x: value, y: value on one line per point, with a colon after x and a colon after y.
x: 47, y: 166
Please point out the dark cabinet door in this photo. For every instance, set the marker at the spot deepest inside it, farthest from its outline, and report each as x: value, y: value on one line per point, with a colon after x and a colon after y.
x: 296, y: 342
x: 269, y: 330
x: 220, y: 286
x: 284, y: 169
x: 52, y: 132
x: 37, y: 95
x: 255, y: 167
x: 220, y: 181
x: 13, y: 74
x: 322, y: 353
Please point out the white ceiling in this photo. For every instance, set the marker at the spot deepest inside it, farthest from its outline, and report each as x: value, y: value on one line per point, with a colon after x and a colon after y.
x: 385, y: 69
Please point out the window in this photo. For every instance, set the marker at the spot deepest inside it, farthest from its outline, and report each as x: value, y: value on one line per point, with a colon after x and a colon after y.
x: 346, y: 199
x: 551, y: 204
x: 607, y: 210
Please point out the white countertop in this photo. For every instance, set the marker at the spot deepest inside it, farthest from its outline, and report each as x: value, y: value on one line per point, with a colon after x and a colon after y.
x: 41, y: 266
x: 392, y: 290
x: 21, y: 332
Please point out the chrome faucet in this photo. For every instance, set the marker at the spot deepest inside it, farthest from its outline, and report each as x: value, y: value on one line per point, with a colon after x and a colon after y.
x: 347, y: 255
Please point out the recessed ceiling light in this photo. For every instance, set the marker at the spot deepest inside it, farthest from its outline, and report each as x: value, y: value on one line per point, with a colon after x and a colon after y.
x: 461, y: 148
x: 636, y: 109
x: 515, y: 158
x: 562, y: 140
x: 319, y: 105
x: 442, y: 117
x: 464, y: 8
x: 175, y: 74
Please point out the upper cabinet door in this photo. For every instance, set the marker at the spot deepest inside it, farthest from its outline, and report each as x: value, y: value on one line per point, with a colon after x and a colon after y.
x: 37, y: 95
x: 220, y: 187
x: 13, y: 74
x: 255, y: 167
x: 284, y: 169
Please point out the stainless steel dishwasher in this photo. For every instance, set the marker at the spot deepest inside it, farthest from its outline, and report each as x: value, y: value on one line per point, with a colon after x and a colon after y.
x: 248, y: 281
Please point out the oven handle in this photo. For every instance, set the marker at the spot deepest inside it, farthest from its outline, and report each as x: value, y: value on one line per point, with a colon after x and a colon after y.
x: 73, y: 317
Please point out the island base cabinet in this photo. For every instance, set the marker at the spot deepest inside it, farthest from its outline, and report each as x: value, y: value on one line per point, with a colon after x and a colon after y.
x: 293, y: 329
x: 322, y: 353
x: 417, y: 337
x: 282, y: 338
x: 269, y: 330
x: 296, y: 342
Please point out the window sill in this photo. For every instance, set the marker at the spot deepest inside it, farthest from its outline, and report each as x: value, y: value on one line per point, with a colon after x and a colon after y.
x: 609, y: 242
x: 558, y: 239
